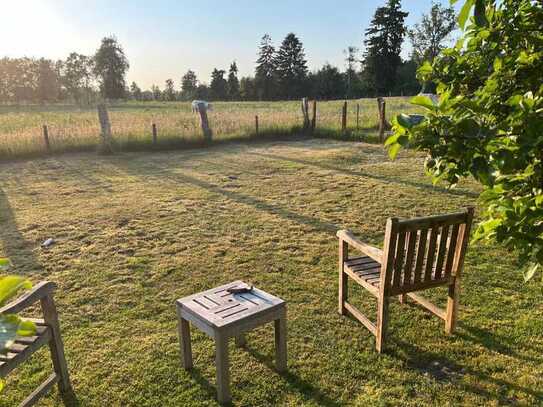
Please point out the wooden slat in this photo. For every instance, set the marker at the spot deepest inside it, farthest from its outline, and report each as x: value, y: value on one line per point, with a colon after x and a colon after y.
x: 372, y: 289
x: 431, y: 222
x: 391, y: 239
x: 434, y: 309
x: 431, y: 255
x: 408, y: 269
x: 15, y: 359
x: 442, y: 251
x: 361, y: 317
x: 40, y: 391
x: 451, y: 250
x: 367, y: 266
x: 398, y: 263
x: 359, y: 260
x: 421, y: 253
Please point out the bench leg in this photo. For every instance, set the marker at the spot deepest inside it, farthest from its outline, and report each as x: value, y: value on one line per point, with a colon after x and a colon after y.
x: 57, y: 348
x: 343, y: 278
x: 223, y: 370
x: 402, y: 298
x: 452, y: 308
x: 281, y: 343
x: 240, y: 340
x: 382, y: 323
x: 184, y: 342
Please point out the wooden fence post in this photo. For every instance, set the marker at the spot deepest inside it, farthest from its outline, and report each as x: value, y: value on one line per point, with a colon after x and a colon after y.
x: 344, y: 117
x: 155, y: 134
x: 46, y: 138
x: 208, y: 134
x: 305, y: 113
x: 314, y: 117
x: 357, y: 116
x: 105, y: 132
x: 256, y: 125
x: 382, y: 120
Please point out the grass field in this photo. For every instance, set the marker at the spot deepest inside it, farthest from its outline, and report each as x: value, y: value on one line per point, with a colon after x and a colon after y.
x: 77, y: 129
x: 136, y: 231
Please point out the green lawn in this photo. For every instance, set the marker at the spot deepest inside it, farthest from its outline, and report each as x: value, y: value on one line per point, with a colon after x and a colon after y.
x: 136, y: 231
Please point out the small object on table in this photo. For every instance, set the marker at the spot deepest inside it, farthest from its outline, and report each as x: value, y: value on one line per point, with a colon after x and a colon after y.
x: 230, y: 311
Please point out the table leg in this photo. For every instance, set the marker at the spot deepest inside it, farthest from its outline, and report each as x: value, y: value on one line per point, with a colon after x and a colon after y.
x: 240, y: 340
x: 281, y: 343
x: 223, y: 369
x: 184, y: 341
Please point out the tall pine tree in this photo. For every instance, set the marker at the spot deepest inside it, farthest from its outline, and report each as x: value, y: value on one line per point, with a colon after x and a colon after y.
x: 233, y: 82
x: 291, y: 67
x: 189, y: 85
x: 218, y: 86
x: 265, y: 69
x: 383, y: 44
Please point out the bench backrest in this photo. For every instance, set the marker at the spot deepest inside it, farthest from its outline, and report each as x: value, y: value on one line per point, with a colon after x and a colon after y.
x: 424, y: 252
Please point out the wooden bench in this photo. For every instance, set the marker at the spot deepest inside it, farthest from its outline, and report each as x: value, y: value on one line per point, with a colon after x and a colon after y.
x: 418, y: 254
x: 223, y: 315
x: 47, y: 333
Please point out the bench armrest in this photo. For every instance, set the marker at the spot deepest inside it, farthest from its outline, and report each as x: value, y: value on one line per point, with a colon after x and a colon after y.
x: 39, y: 291
x: 348, y: 237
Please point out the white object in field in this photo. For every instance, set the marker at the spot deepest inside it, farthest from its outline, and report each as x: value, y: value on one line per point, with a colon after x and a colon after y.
x: 49, y: 242
x: 433, y: 97
x: 196, y: 103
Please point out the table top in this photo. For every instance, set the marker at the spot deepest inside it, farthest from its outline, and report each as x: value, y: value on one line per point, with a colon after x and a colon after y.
x: 220, y: 308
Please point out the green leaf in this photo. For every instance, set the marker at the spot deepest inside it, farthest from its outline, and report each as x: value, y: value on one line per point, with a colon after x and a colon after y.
x: 10, y: 285
x: 26, y: 328
x: 498, y: 64
x: 4, y: 263
x: 394, y: 150
x: 529, y: 274
x: 480, y: 13
x: 464, y: 13
x: 423, y: 101
x: 425, y: 69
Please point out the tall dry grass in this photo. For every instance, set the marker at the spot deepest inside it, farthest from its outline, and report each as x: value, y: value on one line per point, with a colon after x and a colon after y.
x: 77, y: 129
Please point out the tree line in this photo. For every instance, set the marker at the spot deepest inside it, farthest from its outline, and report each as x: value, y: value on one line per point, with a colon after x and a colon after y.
x: 280, y: 72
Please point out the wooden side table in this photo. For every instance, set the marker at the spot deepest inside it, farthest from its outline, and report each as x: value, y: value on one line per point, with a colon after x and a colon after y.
x: 223, y: 315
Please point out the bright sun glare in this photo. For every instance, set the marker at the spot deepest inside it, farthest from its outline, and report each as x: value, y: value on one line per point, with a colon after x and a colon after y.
x: 31, y: 28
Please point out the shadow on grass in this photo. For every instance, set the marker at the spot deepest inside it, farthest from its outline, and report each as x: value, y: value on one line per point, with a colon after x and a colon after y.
x: 295, y: 382
x: 14, y: 244
x: 162, y: 173
x: 441, y: 368
x: 383, y: 178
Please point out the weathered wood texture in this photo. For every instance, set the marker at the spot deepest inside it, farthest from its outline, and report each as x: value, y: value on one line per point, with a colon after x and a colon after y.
x: 344, y: 117
x: 204, y: 122
x: 305, y: 114
x: 314, y: 117
x: 256, y: 125
x: 46, y: 138
x: 223, y: 315
x: 47, y: 333
x: 418, y: 254
x: 105, y: 129
x: 155, y: 133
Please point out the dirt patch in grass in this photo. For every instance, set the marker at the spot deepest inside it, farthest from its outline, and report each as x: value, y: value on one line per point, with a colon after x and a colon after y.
x: 136, y: 231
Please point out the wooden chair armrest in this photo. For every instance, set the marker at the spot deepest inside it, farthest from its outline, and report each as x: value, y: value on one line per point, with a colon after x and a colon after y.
x: 39, y: 291
x: 373, y: 252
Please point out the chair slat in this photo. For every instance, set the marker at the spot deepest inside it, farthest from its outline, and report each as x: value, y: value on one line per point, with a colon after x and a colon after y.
x: 398, y: 263
x: 421, y: 254
x: 453, y: 241
x: 410, y: 256
x: 442, y: 251
x: 431, y: 254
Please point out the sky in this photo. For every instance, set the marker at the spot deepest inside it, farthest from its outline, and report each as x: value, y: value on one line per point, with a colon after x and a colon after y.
x: 164, y: 38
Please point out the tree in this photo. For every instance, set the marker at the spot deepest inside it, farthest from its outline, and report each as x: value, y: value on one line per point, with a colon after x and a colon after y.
x: 233, y: 82
x: 265, y: 69
x: 135, y: 91
x: 248, y: 89
x: 428, y: 36
x: 291, y: 67
x: 169, y: 91
x: 219, y: 86
x: 407, y: 83
x: 78, y: 75
x: 110, y: 67
x: 351, y: 76
x: 157, y: 93
x: 488, y: 123
x: 48, y: 86
x: 383, y: 44
x: 189, y: 85
x: 202, y: 92
x: 327, y: 83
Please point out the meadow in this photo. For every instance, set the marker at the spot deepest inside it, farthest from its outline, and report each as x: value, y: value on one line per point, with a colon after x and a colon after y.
x: 135, y: 231
x: 73, y: 128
